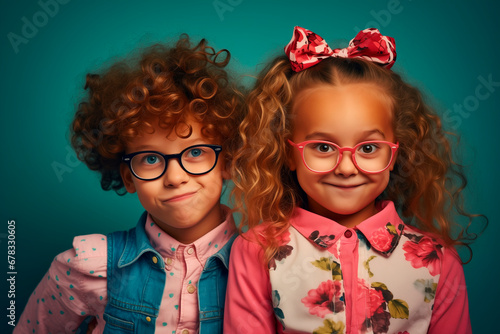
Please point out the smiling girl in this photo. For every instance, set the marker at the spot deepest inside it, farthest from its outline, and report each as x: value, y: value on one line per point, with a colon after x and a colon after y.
x: 344, y: 176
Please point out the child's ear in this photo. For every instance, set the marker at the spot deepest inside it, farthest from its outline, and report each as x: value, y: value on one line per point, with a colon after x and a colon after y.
x: 127, y: 178
x: 393, y: 161
x: 226, y: 165
x: 225, y: 171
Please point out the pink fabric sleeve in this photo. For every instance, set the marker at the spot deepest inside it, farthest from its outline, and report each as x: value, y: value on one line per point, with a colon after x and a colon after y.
x: 451, y: 306
x: 73, y: 288
x: 248, y: 299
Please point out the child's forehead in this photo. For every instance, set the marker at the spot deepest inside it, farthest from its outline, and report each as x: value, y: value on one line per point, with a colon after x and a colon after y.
x: 178, y: 126
x: 361, y: 87
x: 342, y: 112
x: 188, y: 131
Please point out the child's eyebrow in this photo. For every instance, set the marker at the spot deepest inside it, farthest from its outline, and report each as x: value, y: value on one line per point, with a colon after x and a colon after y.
x: 319, y: 135
x: 158, y: 148
x: 374, y: 131
x: 330, y: 137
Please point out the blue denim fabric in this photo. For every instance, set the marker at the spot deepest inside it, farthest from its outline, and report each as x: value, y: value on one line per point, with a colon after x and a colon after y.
x: 136, y: 284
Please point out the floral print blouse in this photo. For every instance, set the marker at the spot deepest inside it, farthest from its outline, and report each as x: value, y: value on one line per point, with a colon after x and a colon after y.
x: 381, y: 276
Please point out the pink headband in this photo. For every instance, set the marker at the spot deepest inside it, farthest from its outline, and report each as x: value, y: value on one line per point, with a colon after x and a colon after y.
x: 306, y: 49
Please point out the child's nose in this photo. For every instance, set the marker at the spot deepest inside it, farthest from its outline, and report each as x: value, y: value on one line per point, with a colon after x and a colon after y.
x: 346, y: 166
x: 175, y: 175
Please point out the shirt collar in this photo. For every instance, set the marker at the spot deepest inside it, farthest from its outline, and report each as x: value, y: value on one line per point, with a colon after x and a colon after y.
x: 382, y: 230
x: 204, y: 247
x: 137, y: 244
x: 321, y: 231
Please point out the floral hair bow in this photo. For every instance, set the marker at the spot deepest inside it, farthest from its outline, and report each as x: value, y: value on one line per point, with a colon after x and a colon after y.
x: 306, y: 49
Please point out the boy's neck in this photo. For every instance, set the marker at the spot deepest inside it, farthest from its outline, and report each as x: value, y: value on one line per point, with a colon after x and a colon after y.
x: 188, y: 235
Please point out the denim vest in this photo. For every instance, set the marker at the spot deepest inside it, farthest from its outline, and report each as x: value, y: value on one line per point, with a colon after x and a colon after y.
x: 136, y: 280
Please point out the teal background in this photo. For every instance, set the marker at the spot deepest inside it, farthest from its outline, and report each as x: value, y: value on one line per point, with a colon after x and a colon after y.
x: 443, y: 47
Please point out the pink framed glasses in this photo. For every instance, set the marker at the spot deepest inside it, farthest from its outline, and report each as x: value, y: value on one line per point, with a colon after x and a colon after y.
x: 370, y: 157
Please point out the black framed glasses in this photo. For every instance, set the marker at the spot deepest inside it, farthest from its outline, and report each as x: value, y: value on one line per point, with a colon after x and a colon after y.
x: 370, y: 157
x: 151, y: 165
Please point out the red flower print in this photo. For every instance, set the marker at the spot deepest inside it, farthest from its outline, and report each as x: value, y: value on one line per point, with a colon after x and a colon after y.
x: 375, y: 297
x: 284, y: 238
x: 325, y: 299
x: 283, y: 251
x: 263, y: 232
x: 382, y: 239
x: 426, y: 253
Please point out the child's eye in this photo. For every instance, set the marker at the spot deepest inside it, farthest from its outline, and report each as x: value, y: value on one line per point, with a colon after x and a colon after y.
x: 151, y: 159
x: 323, y: 147
x: 368, y: 148
x: 194, y: 153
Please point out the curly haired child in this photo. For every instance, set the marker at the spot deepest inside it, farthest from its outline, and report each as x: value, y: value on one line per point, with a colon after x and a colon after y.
x: 161, y: 126
x: 346, y: 181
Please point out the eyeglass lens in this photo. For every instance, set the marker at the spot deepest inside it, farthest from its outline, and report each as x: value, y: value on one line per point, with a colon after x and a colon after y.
x: 370, y: 157
x: 195, y: 160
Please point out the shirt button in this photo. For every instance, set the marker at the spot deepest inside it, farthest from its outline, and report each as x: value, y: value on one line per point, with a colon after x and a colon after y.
x: 155, y: 260
x: 190, y: 251
x: 185, y: 331
x: 148, y: 319
x: 191, y: 288
x: 169, y: 261
x: 348, y: 234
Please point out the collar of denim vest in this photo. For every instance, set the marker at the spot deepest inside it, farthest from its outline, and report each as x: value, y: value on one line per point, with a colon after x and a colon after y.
x: 204, y: 247
x: 137, y: 245
x: 381, y: 231
x: 223, y: 254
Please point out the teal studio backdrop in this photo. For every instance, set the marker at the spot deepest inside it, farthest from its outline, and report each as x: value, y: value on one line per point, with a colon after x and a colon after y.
x: 448, y: 48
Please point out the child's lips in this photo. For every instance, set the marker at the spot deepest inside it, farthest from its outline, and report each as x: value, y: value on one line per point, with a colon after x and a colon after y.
x: 180, y: 197
x: 346, y: 186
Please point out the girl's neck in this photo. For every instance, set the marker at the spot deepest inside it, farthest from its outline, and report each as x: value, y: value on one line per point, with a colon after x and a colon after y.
x: 347, y: 220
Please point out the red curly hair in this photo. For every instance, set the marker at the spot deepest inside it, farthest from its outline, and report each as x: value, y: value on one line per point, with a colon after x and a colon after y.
x: 164, y: 86
x: 426, y: 184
